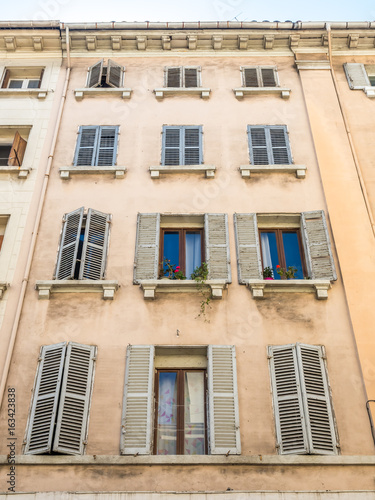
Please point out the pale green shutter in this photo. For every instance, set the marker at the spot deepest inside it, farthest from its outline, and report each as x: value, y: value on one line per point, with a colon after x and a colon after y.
x: 224, y: 424
x: 67, y: 256
x: 138, y: 408
x: 172, y: 146
x: 356, y: 75
x: 115, y: 74
x: 94, y: 251
x: 258, y: 145
x: 281, y: 154
x: 249, y: 262
x: 106, y: 147
x: 217, y: 246
x: 146, y: 263
x: 192, y: 146
x: 94, y: 77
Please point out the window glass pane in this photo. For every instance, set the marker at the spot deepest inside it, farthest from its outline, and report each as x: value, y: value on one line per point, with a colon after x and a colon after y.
x: 193, y: 252
x: 172, y: 248
x: 372, y: 80
x: 166, y: 439
x: 269, y: 251
x: 194, y: 415
x: 292, y: 252
x: 33, y: 84
x: 15, y: 84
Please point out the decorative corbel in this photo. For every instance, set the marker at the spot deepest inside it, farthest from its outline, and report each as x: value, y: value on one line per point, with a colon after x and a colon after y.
x: 353, y: 40
x: 325, y: 40
x: 192, y: 42
x: 141, y: 42
x: 217, y: 42
x: 38, y: 43
x: 116, y: 42
x: 166, y: 42
x: 242, y: 42
x: 268, y: 41
x: 91, y: 42
x: 294, y: 41
x: 10, y: 43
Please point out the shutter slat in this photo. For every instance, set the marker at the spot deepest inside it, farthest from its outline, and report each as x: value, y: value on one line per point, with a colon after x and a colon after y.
x: 192, y: 146
x: 94, y: 77
x: 174, y: 77
x: 172, y: 146
x: 280, y: 145
x: 191, y: 77
x: 251, y: 77
x: 217, y: 246
x: 146, y: 263
x: 86, y: 146
x: 268, y: 77
x: 356, y: 75
x: 259, y: 154
x: 94, y: 251
x: 67, y: 256
x: 249, y: 262
x: 114, y: 75
x: 107, y: 146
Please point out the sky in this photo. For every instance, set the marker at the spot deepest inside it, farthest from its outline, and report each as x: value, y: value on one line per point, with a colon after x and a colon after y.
x: 191, y: 10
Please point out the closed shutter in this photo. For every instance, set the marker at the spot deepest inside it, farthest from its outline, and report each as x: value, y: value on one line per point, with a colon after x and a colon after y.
x: 6, y: 79
x: 17, y: 151
x: 94, y: 251
x: 115, y: 74
x: 106, y: 146
x: 217, y: 246
x: 259, y: 153
x: 224, y: 424
x: 172, y: 146
x: 67, y: 256
x: 317, y: 246
x: 268, y: 77
x: 269, y: 145
x: 86, y: 149
x: 173, y: 77
x: 146, y: 263
x: 191, y: 77
x: 250, y: 76
x: 138, y: 409
x: 72, y: 420
x: 94, y: 76
x: 280, y: 146
x: 249, y: 262
x: 192, y: 141
x: 356, y: 75
x: 42, y: 416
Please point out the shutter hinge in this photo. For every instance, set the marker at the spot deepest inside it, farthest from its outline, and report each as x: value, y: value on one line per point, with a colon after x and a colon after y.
x: 84, y: 441
x: 270, y: 357
x: 227, y: 453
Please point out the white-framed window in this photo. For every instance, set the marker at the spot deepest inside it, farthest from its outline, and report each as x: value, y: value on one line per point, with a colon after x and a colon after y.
x: 13, y: 144
x: 182, y: 76
x: 22, y: 78
x: 259, y: 76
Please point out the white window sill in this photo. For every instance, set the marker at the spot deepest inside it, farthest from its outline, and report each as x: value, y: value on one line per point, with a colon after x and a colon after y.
x: 208, y: 170
x: 299, y: 170
x: 39, y: 93
x: 121, y: 91
x: 243, y: 91
x: 150, y: 287
x: 160, y: 93
x: 107, y: 287
x: 369, y: 91
x: 119, y: 172
x: 21, y: 171
x: 260, y: 287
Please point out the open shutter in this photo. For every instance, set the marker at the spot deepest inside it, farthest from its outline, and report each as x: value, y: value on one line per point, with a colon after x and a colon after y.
x: 317, y: 246
x: 173, y: 77
x: 280, y: 146
x: 17, y: 151
x: 287, y: 400
x: 5, y: 79
x: 146, y: 263
x: 138, y: 409
x: 249, y: 262
x: 356, y: 75
x: 191, y: 77
x: 115, y: 74
x: 316, y: 399
x: 224, y: 423
x: 67, y: 256
x: 217, y: 246
x: 107, y: 146
x: 45, y: 399
x: 250, y: 77
x: 192, y: 146
x: 86, y: 146
x: 72, y: 420
x: 268, y: 77
x: 172, y: 146
x: 94, y: 77
x: 258, y: 147
x: 95, y: 245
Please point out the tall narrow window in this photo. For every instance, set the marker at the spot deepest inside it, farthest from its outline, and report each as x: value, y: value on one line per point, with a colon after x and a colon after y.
x: 183, y: 248
x: 182, y: 145
x: 12, y: 150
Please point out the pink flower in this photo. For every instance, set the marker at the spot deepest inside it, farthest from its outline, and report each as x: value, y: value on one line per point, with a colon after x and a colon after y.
x: 278, y: 265
x: 177, y: 267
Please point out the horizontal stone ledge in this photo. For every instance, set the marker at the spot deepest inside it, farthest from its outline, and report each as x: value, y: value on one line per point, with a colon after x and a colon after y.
x: 66, y: 172
x: 39, y: 93
x: 260, y: 287
x: 299, y: 170
x: 240, y: 92
x: 208, y: 170
x: 22, y: 172
x: 150, y: 287
x: 162, y: 92
x: 125, y: 93
x: 46, y: 287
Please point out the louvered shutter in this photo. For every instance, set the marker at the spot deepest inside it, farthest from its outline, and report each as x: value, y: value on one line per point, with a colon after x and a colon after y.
x: 146, y: 263
x: 173, y: 77
x: 316, y: 398
x: 6, y: 79
x: 259, y: 150
x: 138, y: 408
x: 250, y: 77
x: 114, y: 75
x: 191, y: 77
x: 217, y: 246
x: 224, y: 423
x: 249, y: 262
x: 95, y: 244
x: 280, y: 146
x: 106, y: 146
x: 268, y: 77
x: 72, y: 419
x: 356, y: 75
x: 67, y: 256
x: 317, y: 246
x: 172, y: 146
x: 94, y: 76
x: 287, y: 400
x: 192, y: 146
x: 45, y: 399
x: 17, y: 151
x: 87, y: 146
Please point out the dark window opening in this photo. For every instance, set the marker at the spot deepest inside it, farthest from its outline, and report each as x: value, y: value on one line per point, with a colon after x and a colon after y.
x: 4, y: 154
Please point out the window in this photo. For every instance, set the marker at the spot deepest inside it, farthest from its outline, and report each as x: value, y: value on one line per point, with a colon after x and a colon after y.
x: 182, y: 145
x: 96, y: 146
x: 12, y: 147
x: 178, y: 423
x: 179, y: 76
x: 61, y: 400
x: 301, y: 399
x: 269, y: 145
x: 83, y: 246
x: 259, y: 76
x: 22, y: 78
x: 183, y: 248
x: 103, y: 76
x: 361, y: 77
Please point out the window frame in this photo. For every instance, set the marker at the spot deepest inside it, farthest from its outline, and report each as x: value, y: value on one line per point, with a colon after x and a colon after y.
x: 182, y: 245
x: 96, y: 146
x: 105, y: 72
x: 260, y: 76
x: 181, y: 148
x: 268, y: 144
x: 7, y: 77
x: 182, y: 77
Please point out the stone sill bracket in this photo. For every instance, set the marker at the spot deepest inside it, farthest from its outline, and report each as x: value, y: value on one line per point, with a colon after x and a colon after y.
x: 240, y: 92
x: 208, y: 170
x: 23, y: 172
x: 107, y: 287
x: 160, y: 93
x: 259, y: 287
x: 66, y: 172
x: 299, y: 170
x: 150, y: 287
x: 125, y: 93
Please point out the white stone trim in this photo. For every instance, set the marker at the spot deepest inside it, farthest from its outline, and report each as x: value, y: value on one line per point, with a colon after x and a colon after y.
x: 21, y: 171
x: 125, y: 93
x: 240, y: 92
x: 260, y: 287
x: 119, y: 172
x: 162, y: 92
x: 39, y: 93
x: 150, y: 287
x: 208, y: 170
x: 46, y: 287
x: 299, y: 170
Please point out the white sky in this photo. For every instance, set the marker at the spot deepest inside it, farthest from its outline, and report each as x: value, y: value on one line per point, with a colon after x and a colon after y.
x: 191, y: 10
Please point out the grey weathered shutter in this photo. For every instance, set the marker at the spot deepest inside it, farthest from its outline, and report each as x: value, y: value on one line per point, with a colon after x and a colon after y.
x: 268, y: 77
x: 280, y: 145
x: 43, y: 410
x: 217, y: 246
x: 72, y: 419
x: 138, y: 408
x: 146, y: 263
x: 114, y: 75
x: 287, y: 400
x: 191, y: 77
x: 224, y: 423
x: 249, y: 262
x: 95, y: 244
x: 316, y: 399
x: 106, y: 146
x: 192, y: 146
x: 87, y: 146
x: 172, y: 146
x: 356, y: 75
x: 250, y: 76
x: 94, y: 76
x: 317, y: 246
x: 173, y: 77
x: 67, y: 256
x: 258, y: 148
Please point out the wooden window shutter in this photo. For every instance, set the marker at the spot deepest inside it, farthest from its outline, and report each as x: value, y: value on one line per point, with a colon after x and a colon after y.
x: 17, y: 151
x: 172, y: 146
x: 146, y: 263
x: 6, y: 79
x: 258, y: 146
x: 106, y: 146
x: 138, y: 408
x: 268, y: 77
x: 224, y: 424
x: 46, y: 392
x: 72, y: 419
x: 191, y: 77
x: 115, y: 73
x: 94, y: 76
x: 250, y: 77
x: 86, y: 150
x: 95, y: 244
x: 280, y: 145
x: 67, y: 255
x: 356, y: 75
x: 217, y: 246
x: 249, y: 261
x: 173, y: 77
x: 41, y: 78
x: 317, y: 246
x: 192, y: 146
